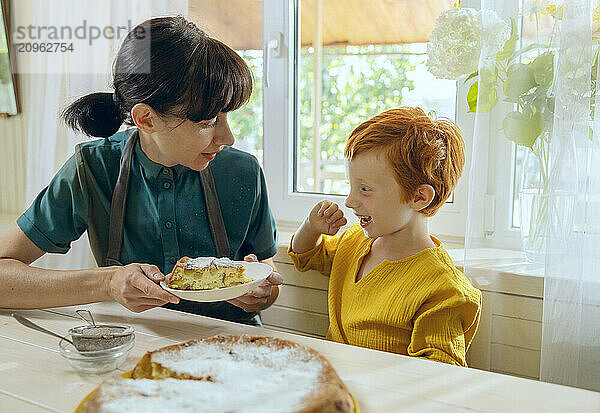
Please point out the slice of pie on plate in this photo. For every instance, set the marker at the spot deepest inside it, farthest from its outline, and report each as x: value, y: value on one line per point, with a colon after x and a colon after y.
x: 206, y: 273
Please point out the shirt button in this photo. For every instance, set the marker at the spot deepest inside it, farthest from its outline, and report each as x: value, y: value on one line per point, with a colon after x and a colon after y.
x: 168, y: 224
x: 167, y: 185
x: 172, y: 260
x: 165, y: 171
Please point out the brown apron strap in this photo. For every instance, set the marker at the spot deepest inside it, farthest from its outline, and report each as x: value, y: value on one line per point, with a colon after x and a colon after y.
x: 117, y: 204
x: 213, y: 210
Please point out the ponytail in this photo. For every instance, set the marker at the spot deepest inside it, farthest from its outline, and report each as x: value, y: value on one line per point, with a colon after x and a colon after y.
x: 96, y: 114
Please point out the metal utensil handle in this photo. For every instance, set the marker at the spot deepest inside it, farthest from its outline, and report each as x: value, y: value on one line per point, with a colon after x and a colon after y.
x: 34, y: 326
x: 89, y: 313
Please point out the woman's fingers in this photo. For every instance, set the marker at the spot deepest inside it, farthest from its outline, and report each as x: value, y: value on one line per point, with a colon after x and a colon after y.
x: 250, y: 304
x: 150, y: 289
x: 258, y: 298
x: 152, y: 272
x: 274, y: 279
x: 135, y: 302
x: 138, y: 301
x: 134, y: 286
x: 261, y: 291
x: 251, y: 258
x: 249, y: 308
x: 140, y: 308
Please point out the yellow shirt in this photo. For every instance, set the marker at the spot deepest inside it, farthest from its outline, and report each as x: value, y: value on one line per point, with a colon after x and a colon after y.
x: 421, y: 306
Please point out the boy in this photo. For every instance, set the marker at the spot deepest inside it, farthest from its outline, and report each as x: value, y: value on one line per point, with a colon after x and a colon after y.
x: 392, y: 286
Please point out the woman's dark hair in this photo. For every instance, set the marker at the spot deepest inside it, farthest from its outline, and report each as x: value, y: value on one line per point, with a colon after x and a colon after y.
x: 172, y: 66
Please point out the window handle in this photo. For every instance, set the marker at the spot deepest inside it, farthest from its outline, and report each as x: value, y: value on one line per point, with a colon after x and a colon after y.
x: 489, y: 216
x: 272, y: 49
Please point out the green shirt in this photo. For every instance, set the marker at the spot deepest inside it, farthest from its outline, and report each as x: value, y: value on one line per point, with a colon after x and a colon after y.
x: 165, y: 216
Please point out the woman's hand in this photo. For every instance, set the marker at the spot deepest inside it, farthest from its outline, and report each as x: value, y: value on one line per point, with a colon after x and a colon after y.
x: 262, y: 296
x: 326, y: 217
x: 135, y: 287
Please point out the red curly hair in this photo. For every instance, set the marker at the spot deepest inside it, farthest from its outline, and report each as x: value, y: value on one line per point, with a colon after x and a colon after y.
x: 419, y: 149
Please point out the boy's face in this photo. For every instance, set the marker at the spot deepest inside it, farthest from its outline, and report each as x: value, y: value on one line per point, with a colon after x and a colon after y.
x: 375, y: 196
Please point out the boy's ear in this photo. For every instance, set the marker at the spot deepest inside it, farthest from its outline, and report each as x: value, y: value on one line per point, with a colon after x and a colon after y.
x: 423, y: 197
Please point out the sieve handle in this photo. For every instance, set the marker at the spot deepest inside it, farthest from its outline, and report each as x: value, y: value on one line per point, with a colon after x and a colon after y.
x: 34, y: 326
x: 89, y: 313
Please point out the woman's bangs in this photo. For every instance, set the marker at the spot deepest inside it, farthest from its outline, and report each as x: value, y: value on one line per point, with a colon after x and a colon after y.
x: 222, y: 82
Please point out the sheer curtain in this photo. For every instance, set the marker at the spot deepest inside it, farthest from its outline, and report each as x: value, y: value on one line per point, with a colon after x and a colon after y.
x: 571, y: 318
x: 53, y: 83
x: 570, y: 348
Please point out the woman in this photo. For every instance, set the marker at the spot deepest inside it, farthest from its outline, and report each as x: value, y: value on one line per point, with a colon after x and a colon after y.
x: 170, y: 187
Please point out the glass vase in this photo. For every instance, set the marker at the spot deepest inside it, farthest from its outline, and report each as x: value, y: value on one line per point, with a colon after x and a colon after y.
x: 533, y: 200
x: 543, y: 213
x: 534, y: 223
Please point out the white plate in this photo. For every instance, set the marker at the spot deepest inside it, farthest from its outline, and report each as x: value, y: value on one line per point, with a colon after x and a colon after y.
x: 255, y: 270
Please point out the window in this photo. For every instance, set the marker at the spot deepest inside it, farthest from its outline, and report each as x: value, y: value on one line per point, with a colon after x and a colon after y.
x: 374, y: 70
x: 352, y: 66
x: 215, y: 18
x: 246, y: 122
x: 364, y: 58
x: 347, y: 75
x: 339, y: 87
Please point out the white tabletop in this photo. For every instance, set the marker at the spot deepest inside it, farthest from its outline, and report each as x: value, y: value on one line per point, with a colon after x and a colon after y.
x: 35, y: 378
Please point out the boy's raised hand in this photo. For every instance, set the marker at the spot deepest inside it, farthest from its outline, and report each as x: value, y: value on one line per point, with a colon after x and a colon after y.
x: 326, y: 218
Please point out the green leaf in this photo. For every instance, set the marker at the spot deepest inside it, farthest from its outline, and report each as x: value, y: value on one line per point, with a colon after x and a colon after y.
x: 543, y: 69
x: 523, y: 129
x: 471, y: 76
x: 519, y: 80
x: 472, y: 97
x: 509, y: 46
x: 482, y: 101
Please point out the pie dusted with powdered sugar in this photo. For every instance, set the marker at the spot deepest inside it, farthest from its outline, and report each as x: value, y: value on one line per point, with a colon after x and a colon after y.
x: 227, y: 374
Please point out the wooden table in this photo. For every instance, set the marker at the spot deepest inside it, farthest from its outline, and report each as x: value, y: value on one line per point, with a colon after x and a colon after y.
x: 35, y: 378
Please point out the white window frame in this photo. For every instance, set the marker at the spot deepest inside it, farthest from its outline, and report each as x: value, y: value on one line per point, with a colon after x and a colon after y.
x: 501, y: 151
x: 290, y: 208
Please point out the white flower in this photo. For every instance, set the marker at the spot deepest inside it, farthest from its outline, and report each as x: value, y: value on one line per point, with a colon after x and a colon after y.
x: 496, y: 32
x: 456, y: 41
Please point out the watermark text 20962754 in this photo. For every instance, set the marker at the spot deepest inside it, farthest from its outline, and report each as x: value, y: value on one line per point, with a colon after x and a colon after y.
x: 43, y: 47
x: 87, y: 41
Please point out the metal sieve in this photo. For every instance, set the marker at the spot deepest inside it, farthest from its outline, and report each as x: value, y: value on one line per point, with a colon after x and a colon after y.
x: 90, y: 337
x: 94, y: 337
